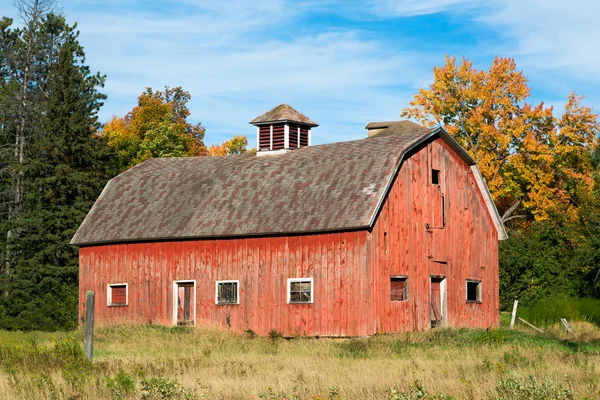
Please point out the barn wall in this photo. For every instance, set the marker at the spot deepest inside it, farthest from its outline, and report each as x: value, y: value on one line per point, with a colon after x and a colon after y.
x: 336, y: 261
x: 466, y: 247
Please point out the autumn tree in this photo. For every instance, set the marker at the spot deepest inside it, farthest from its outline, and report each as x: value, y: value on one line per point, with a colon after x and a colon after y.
x: 237, y: 145
x: 156, y: 127
x: 533, y: 162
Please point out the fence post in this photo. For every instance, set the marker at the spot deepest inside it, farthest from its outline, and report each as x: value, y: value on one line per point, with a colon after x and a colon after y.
x: 514, y: 314
x: 88, y: 341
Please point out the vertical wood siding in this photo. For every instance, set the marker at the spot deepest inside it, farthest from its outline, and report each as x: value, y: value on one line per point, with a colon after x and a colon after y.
x: 351, y: 270
x: 262, y: 266
x: 466, y: 247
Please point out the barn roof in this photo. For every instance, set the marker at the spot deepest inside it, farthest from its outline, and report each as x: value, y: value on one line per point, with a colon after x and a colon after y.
x: 330, y: 187
x: 282, y: 113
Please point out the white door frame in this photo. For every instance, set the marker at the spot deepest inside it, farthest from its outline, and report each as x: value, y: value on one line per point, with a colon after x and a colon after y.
x: 443, y: 297
x: 175, y: 299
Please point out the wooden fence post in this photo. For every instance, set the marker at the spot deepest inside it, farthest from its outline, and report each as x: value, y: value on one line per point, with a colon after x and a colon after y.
x: 514, y: 314
x: 88, y: 341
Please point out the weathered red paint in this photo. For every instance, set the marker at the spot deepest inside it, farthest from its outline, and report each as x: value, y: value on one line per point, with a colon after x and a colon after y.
x: 351, y: 270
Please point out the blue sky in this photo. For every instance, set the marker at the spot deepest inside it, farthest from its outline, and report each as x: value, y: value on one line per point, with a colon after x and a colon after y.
x: 341, y: 63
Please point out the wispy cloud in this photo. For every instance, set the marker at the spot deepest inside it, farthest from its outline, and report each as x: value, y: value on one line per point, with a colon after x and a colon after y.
x: 409, y: 8
x: 238, y: 61
x: 343, y: 64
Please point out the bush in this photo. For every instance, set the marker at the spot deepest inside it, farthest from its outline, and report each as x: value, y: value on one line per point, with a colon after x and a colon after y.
x: 549, y: 310
x: 165, y: 389
x: 531, y: 389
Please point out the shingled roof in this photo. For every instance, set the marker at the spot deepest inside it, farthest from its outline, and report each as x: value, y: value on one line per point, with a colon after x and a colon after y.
x: 283, y: 113
x: 330, y: 187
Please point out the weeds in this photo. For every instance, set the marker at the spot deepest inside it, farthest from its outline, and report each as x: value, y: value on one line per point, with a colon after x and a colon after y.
x: 531, y: 388
x: 165, y: 389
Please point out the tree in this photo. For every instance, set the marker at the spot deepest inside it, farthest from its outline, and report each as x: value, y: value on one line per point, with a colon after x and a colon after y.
x: 156, y: 127
x: 237, y: 145
x: 63, y: 172
x: 532, y: 162
x: 23, y: 54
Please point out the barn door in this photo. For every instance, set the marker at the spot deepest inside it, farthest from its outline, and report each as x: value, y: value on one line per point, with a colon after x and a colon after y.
x: 185, y: 302
x: 438, y: 301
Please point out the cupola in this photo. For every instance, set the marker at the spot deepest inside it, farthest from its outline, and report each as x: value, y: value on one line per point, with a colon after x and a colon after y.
x: 282, y: 129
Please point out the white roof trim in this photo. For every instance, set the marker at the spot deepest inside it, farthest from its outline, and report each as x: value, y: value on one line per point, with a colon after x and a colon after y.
x: 489, y: 202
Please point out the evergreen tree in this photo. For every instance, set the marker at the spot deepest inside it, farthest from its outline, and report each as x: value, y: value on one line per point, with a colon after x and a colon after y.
x: 63, y: 175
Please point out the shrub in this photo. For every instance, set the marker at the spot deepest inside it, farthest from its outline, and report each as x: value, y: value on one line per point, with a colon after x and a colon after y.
x: 165, y: 389
x: 549, y: 310
x: 531, y: 389
x: 416, y: 391
x: 121, y: 385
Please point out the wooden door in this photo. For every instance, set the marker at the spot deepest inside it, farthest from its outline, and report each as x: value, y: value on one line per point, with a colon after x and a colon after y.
x: 185, y: 303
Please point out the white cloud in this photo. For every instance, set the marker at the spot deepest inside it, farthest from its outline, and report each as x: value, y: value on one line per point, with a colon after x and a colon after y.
x: 552, y: 35
x: 236, y: 65
x: 408, y: 8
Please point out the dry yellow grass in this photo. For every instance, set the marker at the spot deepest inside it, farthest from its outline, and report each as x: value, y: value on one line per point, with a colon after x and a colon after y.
x: 216, y: 364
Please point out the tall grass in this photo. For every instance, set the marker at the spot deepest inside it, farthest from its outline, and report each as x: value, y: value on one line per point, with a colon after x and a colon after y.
x: 549, y: 311
x: 151, y: 362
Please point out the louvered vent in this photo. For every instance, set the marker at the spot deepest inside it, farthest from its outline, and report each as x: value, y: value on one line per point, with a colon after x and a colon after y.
x: 264, y: 138
x: 278, y: 136
x: 282, y: 129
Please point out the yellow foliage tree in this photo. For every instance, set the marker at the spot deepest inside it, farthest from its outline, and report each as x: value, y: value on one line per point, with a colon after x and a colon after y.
x: 531, y: 161
x: 237, y: 145
x: 156, y: 127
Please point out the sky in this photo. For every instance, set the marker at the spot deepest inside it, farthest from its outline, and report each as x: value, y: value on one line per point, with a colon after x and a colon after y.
x: 341, y: 63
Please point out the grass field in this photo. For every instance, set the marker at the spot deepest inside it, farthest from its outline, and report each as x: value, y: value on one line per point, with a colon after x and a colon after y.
x: 153, y: 362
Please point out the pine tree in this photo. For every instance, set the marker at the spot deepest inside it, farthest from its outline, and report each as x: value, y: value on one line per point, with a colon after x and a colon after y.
x: 63, y: 175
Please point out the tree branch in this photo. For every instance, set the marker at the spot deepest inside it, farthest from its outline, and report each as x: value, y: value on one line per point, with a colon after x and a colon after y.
x: 511, y: 210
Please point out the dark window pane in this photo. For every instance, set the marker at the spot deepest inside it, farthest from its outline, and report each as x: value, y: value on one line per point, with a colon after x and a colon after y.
x: 300, y: 292
x: 227, y: 293
x: 435, y: 176
x: 473, y: 291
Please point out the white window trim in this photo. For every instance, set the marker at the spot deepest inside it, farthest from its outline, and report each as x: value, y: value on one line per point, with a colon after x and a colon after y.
x: 175, y: 283
x: 479, y: 292
x: 109, y: 294
x: 312, y: 289
x: 237, y: 281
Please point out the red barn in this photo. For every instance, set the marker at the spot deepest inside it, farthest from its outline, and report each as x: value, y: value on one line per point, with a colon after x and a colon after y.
x: 394, y: 232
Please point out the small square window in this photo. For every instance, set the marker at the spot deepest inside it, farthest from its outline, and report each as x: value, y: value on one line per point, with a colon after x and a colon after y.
x: 117, y: 295
x: 435, y: 176
x: 399, y: 288
x: 473, y: 291
x: 227, y: 292
x: 300, y: 290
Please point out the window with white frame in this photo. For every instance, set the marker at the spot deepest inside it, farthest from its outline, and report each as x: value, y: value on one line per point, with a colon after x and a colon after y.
x: 300, y: 291
x: 117, y: 294
x: 227, y: 292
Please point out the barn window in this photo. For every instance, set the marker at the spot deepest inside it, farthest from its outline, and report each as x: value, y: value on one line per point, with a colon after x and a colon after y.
x: 300, y: 290
x: 473, y: 291
x: 399, y: 288
x: 118, y: 295
x: 227, y: 292
x: 435, y: 176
